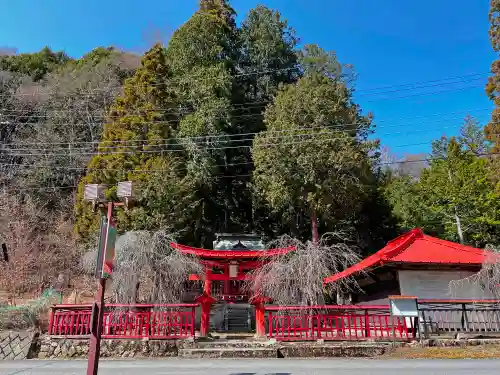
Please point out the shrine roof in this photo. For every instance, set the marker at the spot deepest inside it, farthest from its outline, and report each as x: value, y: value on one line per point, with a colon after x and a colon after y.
x: 414, y: 247
x: 230, y: 254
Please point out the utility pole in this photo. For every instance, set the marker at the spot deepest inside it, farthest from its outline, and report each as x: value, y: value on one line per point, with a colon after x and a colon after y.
x: 98, y: 306
x: 95, y: 193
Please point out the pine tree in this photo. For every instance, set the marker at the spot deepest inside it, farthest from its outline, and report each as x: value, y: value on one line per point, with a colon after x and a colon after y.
x: 141, y: 125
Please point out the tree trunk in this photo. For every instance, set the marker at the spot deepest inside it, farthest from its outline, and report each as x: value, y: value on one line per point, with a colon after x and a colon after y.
x: 457, y: 218
x: 314, y: 228
x: 459, y: 228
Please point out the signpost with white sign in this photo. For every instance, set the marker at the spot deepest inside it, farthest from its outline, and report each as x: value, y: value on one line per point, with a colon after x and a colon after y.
x: 404, y: 307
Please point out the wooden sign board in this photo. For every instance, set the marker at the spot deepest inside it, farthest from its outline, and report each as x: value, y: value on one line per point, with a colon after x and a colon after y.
x: 404, y: 306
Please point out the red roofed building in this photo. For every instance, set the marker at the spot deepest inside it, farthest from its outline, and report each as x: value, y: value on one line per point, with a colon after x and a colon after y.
x: 414, y: 264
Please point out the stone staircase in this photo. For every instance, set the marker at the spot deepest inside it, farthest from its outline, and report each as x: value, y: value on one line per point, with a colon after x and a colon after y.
x: 250, y: 348
x: 235, y: 317
x: 229, y: 349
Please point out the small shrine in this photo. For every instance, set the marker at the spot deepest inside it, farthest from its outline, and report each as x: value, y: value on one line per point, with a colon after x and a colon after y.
x: 227, y: 266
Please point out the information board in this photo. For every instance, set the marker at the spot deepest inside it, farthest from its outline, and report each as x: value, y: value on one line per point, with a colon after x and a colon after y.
x: 404, y: 306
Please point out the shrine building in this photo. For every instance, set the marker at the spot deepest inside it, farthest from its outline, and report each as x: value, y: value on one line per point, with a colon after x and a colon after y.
x: 226, y: 305
x: 414, y: 264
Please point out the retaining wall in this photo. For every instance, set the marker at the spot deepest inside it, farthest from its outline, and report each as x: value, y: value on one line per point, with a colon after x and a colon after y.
x: 59, y: 347
x: 17, y: 344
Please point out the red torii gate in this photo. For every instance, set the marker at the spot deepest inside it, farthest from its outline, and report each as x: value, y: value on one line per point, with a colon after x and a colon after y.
x: 229, y: 266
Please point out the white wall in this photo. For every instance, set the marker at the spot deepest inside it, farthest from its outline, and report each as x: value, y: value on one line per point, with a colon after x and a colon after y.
x: 435, y: 285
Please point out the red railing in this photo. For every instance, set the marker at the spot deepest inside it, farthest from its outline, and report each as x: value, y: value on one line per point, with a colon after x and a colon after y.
x: 297, y: 323
x: 126, y: 321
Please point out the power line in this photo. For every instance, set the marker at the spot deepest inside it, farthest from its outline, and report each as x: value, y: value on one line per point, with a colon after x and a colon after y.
x: 225, y: 136
x: 269, y: 71
x: 429, y: 159
x: 243, y: 106
x: 426, y: 93
x: 314, y: 132
x: 135, y: 152
x: 422, y: 87
x: 220, y: 139
x: 439, y: 114
x: 430, y: 81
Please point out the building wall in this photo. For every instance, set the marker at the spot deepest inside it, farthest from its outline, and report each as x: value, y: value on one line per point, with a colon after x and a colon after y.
x: 435, y: 284
x: 378, y: 293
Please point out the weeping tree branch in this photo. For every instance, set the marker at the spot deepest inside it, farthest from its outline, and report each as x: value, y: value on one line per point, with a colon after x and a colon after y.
x: 297, y: 278
x: 488, y: 278
x: 148, y: 269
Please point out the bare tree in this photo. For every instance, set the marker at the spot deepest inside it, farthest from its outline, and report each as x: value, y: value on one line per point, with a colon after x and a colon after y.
x: 296, y: 278
x: 39, y: 246
x: 148, y: 269
x: 487, y: 279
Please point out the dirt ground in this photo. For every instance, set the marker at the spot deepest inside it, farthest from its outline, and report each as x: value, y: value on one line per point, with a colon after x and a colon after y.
x: 469, y: 352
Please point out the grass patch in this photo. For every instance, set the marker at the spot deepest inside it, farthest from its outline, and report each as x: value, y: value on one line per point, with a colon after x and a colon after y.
x: 469, y: 352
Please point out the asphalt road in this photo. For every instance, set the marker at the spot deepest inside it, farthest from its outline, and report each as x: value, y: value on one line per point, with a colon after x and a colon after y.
x: 258, y: 367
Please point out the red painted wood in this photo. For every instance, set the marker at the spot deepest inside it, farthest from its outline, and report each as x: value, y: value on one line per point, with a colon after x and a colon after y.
x: 203, y: 253
x: 51, y: 321
x: 335, y: 323
x: 163, y: 322
x: 260, y: 324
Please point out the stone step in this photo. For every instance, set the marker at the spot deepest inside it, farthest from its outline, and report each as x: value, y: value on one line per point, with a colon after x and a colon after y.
x: 231, y: 344
x: 229, y: 353
x: 232, y: 336
x: 332, y: 351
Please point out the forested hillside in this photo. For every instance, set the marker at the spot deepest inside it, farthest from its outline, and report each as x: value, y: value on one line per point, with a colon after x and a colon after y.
x: 228, y: 128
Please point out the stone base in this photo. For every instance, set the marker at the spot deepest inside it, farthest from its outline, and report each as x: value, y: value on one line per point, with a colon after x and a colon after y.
x: 228, y: 353
x: 331, y: 351
x: 53, y: 347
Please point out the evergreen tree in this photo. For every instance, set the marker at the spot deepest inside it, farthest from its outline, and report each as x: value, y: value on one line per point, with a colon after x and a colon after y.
x: 493, y: 86
x: 137, y: 146
x: 455, y: 197
x: 36, y: 65
x: 269, y: 58
x: 203, y: 55
x: 308, y: 158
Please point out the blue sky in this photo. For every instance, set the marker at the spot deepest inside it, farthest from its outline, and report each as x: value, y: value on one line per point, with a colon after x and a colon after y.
x: 390, y: 42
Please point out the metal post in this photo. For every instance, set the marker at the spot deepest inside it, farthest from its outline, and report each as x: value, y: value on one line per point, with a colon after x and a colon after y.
x: 97, y: 318
x: 464, y: 318
x: 96, y: 330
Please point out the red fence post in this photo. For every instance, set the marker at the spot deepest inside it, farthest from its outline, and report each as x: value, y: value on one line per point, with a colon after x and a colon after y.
x: 206, y: 302
x: 260, y: 314
x: 367, y: 324
x: 51, y: 320
x: 270, y: 323
x: 193, y: 320
x: 259, y: 320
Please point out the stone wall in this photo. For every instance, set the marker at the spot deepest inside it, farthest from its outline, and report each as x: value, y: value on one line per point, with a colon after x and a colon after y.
x: 60, y: 347
x: 17, y: 344
x: 54, y: 347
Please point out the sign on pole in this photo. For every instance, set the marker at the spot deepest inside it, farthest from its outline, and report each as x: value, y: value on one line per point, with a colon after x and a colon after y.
x: 404, y: 306
x: 106, y: 249
x: 109, y: 254
x: 101, y: 246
